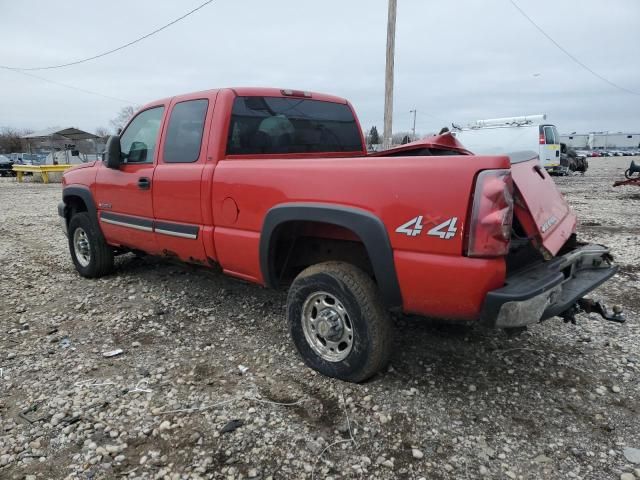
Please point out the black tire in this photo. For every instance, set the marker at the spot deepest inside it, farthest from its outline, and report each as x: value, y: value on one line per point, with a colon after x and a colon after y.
x: 100, y: 261
x: 366, y: 316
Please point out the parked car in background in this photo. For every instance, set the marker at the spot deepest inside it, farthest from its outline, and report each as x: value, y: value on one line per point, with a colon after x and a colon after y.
x: 23, y: 158
x: 6, y: 167
x: 515, y: 134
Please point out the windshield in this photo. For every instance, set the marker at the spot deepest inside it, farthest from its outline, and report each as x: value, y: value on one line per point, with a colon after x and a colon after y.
x: 273, y: 125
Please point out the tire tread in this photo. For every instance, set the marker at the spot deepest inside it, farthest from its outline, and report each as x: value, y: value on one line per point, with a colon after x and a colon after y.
x: 366, y: 292
x: 101, y: 263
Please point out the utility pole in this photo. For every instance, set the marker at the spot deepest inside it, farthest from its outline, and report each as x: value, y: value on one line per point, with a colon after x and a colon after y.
x: 413, y: 130
x: 388, y: 81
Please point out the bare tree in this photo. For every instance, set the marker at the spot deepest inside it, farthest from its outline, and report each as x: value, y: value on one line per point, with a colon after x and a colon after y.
x: 11, y: 139
x: 399, y: 137
x: 102, y: 132
x: 122, y: 117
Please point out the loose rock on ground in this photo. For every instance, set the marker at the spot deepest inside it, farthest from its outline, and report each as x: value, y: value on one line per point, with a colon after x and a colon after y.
x: 559, y: 401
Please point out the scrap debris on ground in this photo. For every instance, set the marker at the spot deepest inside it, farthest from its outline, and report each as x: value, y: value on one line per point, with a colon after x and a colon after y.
x: 171, y: 371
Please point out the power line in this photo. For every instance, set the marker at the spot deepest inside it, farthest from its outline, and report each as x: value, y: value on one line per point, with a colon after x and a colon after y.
x: 568, y: 54
x: 90, y: 92
x: 109, y: 52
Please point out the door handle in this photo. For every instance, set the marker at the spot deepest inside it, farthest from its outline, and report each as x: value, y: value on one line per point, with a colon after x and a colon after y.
x: 144, y: 183
x: 557, y: 153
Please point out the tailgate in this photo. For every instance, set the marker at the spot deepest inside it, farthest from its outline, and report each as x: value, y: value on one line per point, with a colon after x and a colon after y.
x: 540, y: 207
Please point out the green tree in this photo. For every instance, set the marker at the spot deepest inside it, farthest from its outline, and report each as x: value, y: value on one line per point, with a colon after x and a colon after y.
x: 374, y: 137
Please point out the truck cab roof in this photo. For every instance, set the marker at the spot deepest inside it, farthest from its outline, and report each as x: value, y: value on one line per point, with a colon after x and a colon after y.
x: 251, y: 92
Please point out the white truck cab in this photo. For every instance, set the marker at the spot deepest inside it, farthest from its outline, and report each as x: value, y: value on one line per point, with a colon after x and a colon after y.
x: 514, y: 134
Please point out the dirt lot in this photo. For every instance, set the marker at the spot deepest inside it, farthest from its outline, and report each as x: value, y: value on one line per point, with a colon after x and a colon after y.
x: 559, y: 401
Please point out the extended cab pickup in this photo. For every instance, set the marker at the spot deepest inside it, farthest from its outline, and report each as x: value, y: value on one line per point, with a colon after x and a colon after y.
x: 276, y: 187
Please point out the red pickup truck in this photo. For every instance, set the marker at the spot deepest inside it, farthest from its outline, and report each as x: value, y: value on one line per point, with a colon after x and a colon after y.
x: 276, y: 187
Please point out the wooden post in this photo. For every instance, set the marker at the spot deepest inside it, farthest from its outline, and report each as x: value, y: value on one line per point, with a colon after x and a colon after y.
x: 388, y: 81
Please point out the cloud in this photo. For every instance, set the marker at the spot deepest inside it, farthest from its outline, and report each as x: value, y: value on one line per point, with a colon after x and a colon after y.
x: 454, y: 61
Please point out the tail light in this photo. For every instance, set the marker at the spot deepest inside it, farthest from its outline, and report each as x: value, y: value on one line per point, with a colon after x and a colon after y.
x: 491, y: 215
x: 542, y: 140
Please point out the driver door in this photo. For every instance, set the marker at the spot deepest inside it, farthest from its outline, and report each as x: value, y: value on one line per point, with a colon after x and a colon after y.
x: 124, y: 196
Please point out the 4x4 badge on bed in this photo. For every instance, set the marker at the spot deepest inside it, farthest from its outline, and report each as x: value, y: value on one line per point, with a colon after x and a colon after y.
x: 445, y: 230
x: 551, y: 221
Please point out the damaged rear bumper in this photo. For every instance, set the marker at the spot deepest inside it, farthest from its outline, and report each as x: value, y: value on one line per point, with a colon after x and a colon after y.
x: 548, y: 289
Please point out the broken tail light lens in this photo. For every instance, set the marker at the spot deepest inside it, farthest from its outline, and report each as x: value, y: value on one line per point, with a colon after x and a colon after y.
x: 491, y: 214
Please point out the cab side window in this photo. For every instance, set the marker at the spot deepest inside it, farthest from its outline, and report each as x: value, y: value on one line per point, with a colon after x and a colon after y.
x: 138, y: 141
x: 184, y: 134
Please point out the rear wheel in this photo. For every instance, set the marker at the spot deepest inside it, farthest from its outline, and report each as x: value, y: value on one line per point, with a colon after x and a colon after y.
x: 91, y: 255
x: 338, y: 323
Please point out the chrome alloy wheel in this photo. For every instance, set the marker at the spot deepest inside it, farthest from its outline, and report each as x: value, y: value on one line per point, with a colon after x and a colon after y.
x: 81, y: 247
x: 327, y: 326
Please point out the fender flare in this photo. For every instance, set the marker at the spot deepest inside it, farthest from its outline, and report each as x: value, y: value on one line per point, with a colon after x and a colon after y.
x: 367, y: 226
x: 85, y: 194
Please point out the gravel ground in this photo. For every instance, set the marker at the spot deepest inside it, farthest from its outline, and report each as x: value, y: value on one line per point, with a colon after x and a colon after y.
x: 559, y: 401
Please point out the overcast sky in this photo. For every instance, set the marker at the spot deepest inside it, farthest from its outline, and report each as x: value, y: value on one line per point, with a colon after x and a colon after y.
x: 455, y: 61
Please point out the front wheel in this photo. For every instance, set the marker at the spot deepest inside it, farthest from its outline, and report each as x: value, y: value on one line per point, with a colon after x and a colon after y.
x: 91, y: 255
x: 338, y: 323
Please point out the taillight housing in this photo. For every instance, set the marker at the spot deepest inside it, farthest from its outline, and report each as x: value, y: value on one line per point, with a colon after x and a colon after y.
x: 491, y: 217
x: 542, y: 139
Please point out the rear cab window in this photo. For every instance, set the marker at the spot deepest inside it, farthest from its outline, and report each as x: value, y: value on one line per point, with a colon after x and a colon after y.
x: 276, y: 125
x: 184, y: 132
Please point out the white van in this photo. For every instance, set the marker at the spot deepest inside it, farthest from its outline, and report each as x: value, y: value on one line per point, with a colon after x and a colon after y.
x: 514, y: 134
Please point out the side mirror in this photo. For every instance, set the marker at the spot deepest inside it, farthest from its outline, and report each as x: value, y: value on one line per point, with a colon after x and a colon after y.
x: 137, y: 153
x: 112, y: 152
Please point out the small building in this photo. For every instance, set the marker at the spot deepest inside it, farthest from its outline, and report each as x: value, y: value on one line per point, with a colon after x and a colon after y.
x: 602, y: 140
